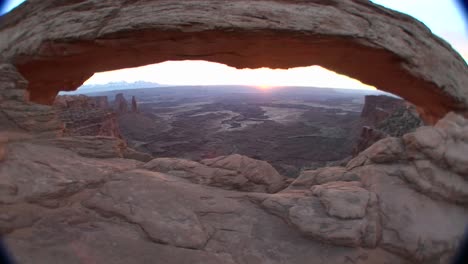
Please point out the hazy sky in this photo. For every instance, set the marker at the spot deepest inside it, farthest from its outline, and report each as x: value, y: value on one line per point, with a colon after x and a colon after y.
x: 442, y: 16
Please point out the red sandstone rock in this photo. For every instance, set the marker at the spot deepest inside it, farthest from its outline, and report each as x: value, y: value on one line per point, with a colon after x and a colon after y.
x: 379, y: 107
x: 233, y: 172
x: 134, y: 105
x: 19, y: 115
x: 120, y: 104
x: 367, y: 137
x: 392, y: 197
x: 2, y: 147
x: 87, y: 116
x: 415, y: 184
x: 385, y: 116
x: 60, y: 46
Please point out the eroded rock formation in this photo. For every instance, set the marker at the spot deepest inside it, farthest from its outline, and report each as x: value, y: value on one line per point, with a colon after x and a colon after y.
x: 85, y: 202
x: 19, y: 115
x: 87, y: 116
x: 120, y: 104
x: 58, y: 47
x: 233, y: 172
x: 419, y: 180
x: 377, y: 108
x: 384, y: 116
x: 385, y: 206
x: 134, y: 105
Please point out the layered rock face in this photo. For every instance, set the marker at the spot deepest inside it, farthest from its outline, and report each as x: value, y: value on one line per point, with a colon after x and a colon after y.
x: 121, y: 107
x: 134, y: 108
x: 382, y: 207
x: 120, y: 104
x: 60, y: 46
x: 377, y: 108
x: 420, y: 182
x: 17, y: 114
x: 87, y: 116
x: 384, y: 116
x: 403, y: 200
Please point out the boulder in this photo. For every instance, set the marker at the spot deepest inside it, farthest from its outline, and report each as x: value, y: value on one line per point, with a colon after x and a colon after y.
x: 233, y: 172
x: 312, y: 221
x: 76, y: 209
x: 309, y: 178
x: 346, y: 200
x: 309, y: 216
x: 258, y: 172
x: 414, y: 224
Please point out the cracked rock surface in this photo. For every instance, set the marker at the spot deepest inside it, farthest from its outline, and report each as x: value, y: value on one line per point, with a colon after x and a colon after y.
x: 233, y: 172
x: 66, y: 207
x: 82, y: 209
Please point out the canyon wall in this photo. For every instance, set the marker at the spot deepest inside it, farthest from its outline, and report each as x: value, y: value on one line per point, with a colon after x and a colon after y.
x: 87, y: 116
x: 384, y: 116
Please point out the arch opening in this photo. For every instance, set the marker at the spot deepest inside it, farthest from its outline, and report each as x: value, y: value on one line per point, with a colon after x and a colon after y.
x: 380, y: 47
x: 295, y: 119
x: 58, y: 46
x: 199, y: 72
x: 52, y: 71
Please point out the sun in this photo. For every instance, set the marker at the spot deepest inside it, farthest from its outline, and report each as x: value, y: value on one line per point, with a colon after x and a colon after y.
x: 264, y: 86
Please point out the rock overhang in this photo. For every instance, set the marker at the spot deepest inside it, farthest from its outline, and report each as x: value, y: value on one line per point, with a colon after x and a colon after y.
x: 58, y: 46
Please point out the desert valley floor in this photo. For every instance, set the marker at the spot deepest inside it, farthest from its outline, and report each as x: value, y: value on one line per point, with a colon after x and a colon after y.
x: 290, y: 127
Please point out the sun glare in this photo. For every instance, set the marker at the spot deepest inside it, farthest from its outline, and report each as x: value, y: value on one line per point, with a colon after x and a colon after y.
x: 264, y: 86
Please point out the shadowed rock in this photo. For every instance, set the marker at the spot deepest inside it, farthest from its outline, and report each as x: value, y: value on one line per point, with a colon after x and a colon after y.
x: 384, y: 116
x: 18, y: 114
x: 59, y: 47
x: 87, y: 116
x: 134, y: 105
x: 402, y: 200
x: 393, y: 196
x: 120, y: 104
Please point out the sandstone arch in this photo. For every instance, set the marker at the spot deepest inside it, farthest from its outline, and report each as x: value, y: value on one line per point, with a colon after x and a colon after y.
x: 57, y: 46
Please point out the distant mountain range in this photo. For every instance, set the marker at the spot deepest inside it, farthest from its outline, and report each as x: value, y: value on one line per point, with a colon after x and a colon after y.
x: 93, y: 88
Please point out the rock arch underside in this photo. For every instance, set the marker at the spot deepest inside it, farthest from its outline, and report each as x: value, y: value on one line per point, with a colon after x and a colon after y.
x: 57, y: 45
x: 91, y: 199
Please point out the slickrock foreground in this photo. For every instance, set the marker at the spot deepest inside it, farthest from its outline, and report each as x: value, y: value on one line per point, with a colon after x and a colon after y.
x: 90, y: 198
x: 400, y: 201
x: 84, y: 199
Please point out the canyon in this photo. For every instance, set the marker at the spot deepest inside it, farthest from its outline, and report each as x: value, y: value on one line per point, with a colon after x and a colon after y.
x: 292, y: 128
x: 77, y: 186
